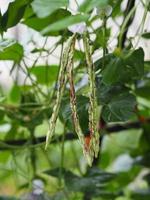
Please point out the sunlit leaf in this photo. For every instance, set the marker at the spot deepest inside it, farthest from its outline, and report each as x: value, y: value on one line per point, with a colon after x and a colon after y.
x: 45, y: 74
x: 64, y: 23
x: 15, y: 94
x: 44, y: 8
x: 88, y: 5
x: 10, y: 50
x: 40, y: 23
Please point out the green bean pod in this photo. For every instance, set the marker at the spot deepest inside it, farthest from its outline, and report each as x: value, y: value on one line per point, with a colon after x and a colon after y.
x: 73, y: 104
x: 62, y: 79
x: 93, y: 107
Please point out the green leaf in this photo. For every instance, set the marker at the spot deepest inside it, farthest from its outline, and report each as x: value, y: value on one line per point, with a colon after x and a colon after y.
x: 88, y: 5
x: 141, y: 194
x: 143, y: 92
x: 102, y: 176
x: 15, y: 94
x: 124, y: 178
x: 30, y: 114
x: 7, y: 198
x: 146, y: 66
x: 93, y: 182
x: 135, y: 62
x: 116, y: 8
x: 143, y: 160
x: 64, y: 23
x: 123, y: 142
x: 14, y: 13
x: 129, y: 139
x: 100, y: 40
x: 60, y: 196
x: 40, y: 23
x: 99, y: 63
x: 2, y: 113
x: 127, y: 68
x: 119, y: 108
x: 45, y: 74
x: 113, y: 72
x: 147, y: 178
x: 105, y: 93
x: 146, y: 35
x: 55, y: 172
x: 78, y: 55
x: 44, y: 8
x: 10, y: 50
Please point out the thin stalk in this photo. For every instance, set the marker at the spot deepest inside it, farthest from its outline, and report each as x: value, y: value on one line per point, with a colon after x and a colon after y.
x: 104, y: 40
x: 62, y: 157
x: 141, y: 27
x: 40, y: 53
x: 61, y: 55
x: 32, y: 154
x: 124, y: 25
x: 130, y: 5
x: 27, y: 145
x: 76, y: 159
x: 77, y: 3
x: 28, y: 75
x: 46, y: 156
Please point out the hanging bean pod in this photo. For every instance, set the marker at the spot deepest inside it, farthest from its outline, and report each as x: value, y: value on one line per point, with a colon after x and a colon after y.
x: 93, y: 107
x: 62, y: 79
x: 73, y: 104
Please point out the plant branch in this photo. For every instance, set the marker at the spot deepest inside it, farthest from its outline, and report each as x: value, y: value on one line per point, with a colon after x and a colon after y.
x: 128, y: 10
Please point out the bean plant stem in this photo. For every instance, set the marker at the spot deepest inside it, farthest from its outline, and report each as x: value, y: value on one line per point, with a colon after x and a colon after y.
x: 141, y: 27
x: 104, y: 40
x: 62, y: 156
x: 123, y: 27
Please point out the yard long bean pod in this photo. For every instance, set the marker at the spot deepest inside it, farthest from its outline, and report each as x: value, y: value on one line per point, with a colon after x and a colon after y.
x: 87, y: 152
x: 93, y: 108
x: 62, y: 79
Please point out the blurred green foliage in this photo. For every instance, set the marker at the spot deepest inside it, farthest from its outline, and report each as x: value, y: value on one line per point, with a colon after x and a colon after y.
x: 122, y: 170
